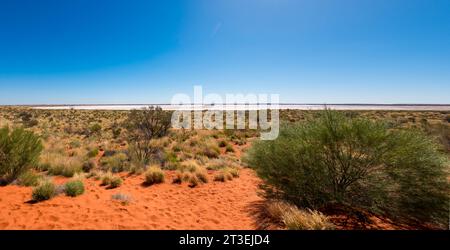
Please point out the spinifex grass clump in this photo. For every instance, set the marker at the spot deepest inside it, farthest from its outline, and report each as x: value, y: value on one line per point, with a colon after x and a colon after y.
x: 74, y: 188
x: 154, y: 175
x: 191, y: 173
x: 226, y: 174
x: 358, y: 162
x: 110, y: 180
x: 44, y: 191
x: 295, y: 219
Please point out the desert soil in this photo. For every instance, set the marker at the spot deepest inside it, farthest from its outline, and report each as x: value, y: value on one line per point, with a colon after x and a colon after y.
x: 214, y: 205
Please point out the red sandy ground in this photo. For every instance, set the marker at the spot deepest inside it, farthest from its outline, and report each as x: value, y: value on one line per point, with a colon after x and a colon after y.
x: 214, y: 205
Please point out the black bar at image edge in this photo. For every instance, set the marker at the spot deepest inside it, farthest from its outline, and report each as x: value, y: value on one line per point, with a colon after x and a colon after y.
x: 223, y: 239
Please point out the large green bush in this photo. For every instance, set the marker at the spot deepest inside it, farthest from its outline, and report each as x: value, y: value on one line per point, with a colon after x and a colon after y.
x: 19, y: 150
x: 357, y: 162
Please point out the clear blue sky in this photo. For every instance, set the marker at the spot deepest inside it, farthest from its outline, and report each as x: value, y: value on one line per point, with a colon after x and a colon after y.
x: 308, y: 51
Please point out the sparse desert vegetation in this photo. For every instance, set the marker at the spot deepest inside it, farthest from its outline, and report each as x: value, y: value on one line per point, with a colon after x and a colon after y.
x: 388, y: 165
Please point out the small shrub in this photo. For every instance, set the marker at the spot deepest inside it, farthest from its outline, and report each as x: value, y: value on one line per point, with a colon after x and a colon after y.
x: 19, y: 150
x: 106, y: 178
x: 75, y: 144
x: 95, y: 128
x: 226, y: 173
x: 88, y: 166
x: 116, y: 181
x: 44, y: 191
x: 193, y: 181
x: 136, y: 169
x: 202, y: 175
x: 172, y: 165
x: 233, y: 171
x: 29, y: 179
x: 178, y: 179
x: 96, y: 175
x: 154, y: 175
x: 211, y: 152
x: 65, y: 169
x: 223, y: 143
x: 74, y: 188
x: 223, y: 176
x: 116, y: 163
x: 92, y: 153
x: 143, y: 127
x: 229, y: 148
x: 116, y: 132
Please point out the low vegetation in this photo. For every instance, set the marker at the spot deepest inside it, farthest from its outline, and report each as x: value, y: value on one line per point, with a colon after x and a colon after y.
x: 295, y: 219
x: 19, y: 151
x: 154, y: 175
x: 358, y: 162
x: 74, y: 188
x: 44, y: 191
x: 390, y: 163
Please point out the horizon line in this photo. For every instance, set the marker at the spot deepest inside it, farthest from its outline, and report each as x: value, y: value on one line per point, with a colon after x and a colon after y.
x: 268, y: 103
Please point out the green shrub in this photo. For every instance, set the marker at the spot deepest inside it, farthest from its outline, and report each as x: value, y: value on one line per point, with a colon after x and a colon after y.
x: 29, y: 178
x: 143, y: 127
x: 116, y: 163
x: 355, y: 161
x: 68, y: 169
x: 74, y: 188
x: 154, y: 175
x: 92, y: 153
x: 19, y: 150
x: 116, y: 181
x: 44, y: 191
x: 106, y: 178
x: 210, y: 150
x: 88, y: 166
x: 75, y: 144
x: 95, y: 128
x: 229, y: 148
x: 223, y: 143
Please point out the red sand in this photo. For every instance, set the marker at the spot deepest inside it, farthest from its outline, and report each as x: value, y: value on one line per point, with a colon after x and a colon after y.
x: 214, y: 205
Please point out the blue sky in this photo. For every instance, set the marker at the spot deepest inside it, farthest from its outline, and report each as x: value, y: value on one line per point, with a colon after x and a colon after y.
x: 307, y: 51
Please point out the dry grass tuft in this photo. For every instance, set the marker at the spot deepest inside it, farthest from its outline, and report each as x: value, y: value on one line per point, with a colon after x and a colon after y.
x: 154, y: 175
x: 296, y: 219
